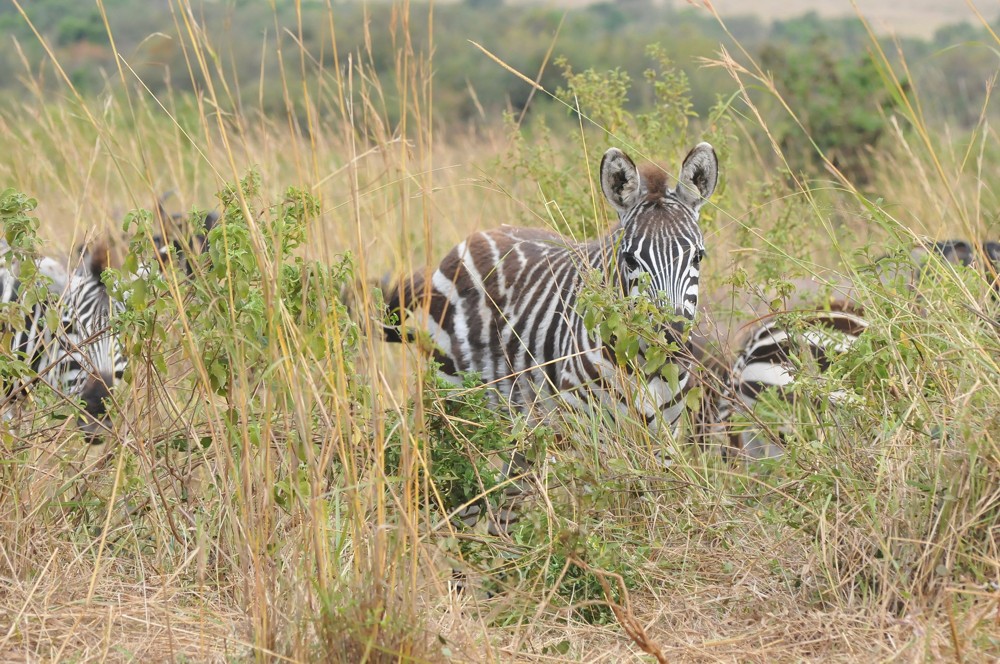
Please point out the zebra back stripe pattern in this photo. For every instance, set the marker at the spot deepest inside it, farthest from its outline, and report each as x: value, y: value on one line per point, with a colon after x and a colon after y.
x: 764, y: 361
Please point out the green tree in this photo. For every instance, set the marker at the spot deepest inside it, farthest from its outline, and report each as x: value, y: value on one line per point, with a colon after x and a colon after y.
x: 841, y: 101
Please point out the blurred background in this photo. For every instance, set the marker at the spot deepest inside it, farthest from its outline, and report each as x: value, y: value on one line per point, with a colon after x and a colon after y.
x: 469, y: 88
x: 847, y: 74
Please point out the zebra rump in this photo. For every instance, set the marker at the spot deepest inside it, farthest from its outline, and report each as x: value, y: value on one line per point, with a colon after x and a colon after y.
x: 764, y: 360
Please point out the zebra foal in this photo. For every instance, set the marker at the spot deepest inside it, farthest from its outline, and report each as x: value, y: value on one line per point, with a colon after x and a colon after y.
x: 504, y: 303
x: 78, y: 357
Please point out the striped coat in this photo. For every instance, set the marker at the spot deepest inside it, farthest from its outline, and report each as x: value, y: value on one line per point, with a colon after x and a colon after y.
x: 504, y: 303
x: 79, y: 358
x: 830, y: 325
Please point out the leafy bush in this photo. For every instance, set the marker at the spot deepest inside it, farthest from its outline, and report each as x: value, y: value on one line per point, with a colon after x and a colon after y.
x: 841, y: 101
x: 254, y: 292
x: 561, y: 168
x: 464, y: 435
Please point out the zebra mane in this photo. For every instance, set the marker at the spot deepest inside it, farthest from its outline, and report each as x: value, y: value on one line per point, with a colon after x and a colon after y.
x: 98, y: 258
x: 654, y: 181
x: 94, y: 260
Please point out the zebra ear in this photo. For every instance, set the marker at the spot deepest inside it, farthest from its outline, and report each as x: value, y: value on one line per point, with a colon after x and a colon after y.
x: 699, y: 175
x: 992, y: 251
x: 162, y: 216
x: 620, y: 180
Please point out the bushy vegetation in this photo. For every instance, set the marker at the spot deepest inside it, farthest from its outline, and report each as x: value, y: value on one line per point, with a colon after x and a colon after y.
x: 279, y: 483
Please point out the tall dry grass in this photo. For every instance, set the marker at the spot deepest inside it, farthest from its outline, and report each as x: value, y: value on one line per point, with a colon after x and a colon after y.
x: 288, y: 537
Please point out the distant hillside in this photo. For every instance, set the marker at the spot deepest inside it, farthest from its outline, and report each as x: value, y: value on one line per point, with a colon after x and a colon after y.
x: 470, y: 87
x: 915, y: 18
x: 906, y: 18
x: 910, y: 18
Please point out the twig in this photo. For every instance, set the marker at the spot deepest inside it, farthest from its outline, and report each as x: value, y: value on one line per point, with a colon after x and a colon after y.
x: 623, y: 612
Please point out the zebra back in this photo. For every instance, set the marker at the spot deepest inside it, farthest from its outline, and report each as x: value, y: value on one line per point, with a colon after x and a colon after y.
x: 828, y: 326
x: 815, y: 321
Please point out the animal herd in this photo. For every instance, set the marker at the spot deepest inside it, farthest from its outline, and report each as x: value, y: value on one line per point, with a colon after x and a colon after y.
x: 504, y: 304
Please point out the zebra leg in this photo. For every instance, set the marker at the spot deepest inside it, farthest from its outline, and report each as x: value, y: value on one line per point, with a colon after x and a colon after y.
x: 513, y: 496
x: 499, y: 520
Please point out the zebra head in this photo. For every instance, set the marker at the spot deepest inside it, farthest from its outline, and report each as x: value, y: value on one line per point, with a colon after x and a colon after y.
x: 659, y: 234
x: 173, y: 244
x: 93, y: 359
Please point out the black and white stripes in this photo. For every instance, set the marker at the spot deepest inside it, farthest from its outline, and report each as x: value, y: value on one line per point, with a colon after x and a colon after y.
x: 78, y: 356
x: 765, y: 359
x: 504, y: 303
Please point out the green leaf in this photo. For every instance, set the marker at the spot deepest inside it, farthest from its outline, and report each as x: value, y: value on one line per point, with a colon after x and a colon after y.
x: 131, y: 264
x: 632, y: 348
x: 692, y: 399
x: 671, y: 373
x: 139, y: 295
x: 654, y: 358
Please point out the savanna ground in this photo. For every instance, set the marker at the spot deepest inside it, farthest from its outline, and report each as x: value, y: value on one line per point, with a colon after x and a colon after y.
x: 277, y: 482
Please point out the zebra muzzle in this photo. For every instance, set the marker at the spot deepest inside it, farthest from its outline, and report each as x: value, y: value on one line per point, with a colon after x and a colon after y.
x: 93, y: 420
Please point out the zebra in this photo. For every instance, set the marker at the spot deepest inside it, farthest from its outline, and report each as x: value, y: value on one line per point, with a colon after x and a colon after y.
x: 764, y: 360
x: 181, y: 249
x: 504, y: 303
x: 80, y: 358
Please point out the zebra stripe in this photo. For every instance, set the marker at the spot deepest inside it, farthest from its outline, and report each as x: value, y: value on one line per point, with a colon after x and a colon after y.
x: 764, y: 360
x: 80, y: 359
x: 503, y: 303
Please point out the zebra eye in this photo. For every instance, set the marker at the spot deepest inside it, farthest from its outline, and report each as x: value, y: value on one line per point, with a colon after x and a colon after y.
x: 698, y: 255
x: 629, y: 261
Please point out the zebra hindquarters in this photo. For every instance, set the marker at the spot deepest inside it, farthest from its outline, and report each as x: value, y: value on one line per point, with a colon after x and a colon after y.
x: 765, y: 383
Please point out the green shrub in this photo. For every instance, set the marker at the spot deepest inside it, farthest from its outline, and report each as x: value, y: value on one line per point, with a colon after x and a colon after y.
x: 842, y: 102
